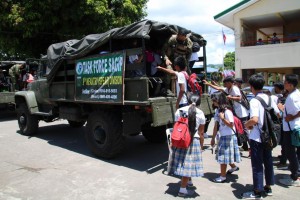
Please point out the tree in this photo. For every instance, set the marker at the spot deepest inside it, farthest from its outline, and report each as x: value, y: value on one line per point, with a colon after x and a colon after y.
x: 28, y: 27
x: 229, y: 60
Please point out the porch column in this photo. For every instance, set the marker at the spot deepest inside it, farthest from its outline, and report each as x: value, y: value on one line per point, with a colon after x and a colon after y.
x: 281, y: 77
x: 274, y: 78
x: 266, y: 77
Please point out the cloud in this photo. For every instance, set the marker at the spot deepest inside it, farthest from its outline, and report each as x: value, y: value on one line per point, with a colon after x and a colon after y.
x: 198, y: 16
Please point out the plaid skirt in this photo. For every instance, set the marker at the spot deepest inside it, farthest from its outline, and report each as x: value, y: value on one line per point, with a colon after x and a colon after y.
x: 187, y: 162
x: 228, y: 150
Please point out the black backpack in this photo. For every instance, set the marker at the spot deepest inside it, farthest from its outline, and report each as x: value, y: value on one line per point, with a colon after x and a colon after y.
x: 271, y: 125
x: 244, y: 100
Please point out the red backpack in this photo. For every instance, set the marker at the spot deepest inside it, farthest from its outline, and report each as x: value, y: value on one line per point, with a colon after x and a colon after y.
x: 238, y: 125
x: 181, y: 137
x: 193, y: 84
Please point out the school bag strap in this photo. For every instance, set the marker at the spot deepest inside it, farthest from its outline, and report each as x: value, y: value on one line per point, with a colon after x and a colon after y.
x: 288, y: 122
x: 263, y: 103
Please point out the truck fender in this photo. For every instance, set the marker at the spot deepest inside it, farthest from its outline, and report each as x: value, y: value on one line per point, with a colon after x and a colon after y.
x: 29, y: 98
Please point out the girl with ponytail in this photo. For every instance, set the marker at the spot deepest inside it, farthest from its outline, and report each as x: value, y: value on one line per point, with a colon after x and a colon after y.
x: 187, y: 163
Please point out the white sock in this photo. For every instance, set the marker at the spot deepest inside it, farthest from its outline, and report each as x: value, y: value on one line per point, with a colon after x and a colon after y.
x: 190, y: 182
x: 183, y: 190
x: 223, y: 178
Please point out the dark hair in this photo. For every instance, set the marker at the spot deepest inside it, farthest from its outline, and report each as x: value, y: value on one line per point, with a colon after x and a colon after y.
x: 228, y: 79
x: 183, y: 31
x: 257, y: 81
x: 239, y: 80
x: 181, y: 62
x: 279, y: 85
x: 194, y: 100
x: 292, y: 79
x: 222, y: 100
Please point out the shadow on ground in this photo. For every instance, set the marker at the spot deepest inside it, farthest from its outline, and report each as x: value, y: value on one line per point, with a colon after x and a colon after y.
x: 7, y: 115
x: 139, y: 154
x: 173, y: 189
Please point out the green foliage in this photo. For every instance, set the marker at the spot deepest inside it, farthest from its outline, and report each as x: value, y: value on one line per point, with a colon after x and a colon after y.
x: 229, y: 60
x: 28, y: 27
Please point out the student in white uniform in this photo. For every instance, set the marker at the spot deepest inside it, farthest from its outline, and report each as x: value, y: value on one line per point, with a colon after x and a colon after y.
x: 233, y: 94
x: 290, y: 121
x: 261, y: 158
x: 227, y: 150
x: 181, y: 85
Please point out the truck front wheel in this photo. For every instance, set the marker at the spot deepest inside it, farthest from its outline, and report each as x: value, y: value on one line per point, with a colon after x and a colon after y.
x: 104, y: 134
x: 155, y: 134
x: 28, y: 123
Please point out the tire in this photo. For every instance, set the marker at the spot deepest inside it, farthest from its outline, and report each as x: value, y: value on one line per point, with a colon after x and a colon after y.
x: 104, y: 134
x: 28, y: 123
x: 75, y: 124
x: 155, y: 134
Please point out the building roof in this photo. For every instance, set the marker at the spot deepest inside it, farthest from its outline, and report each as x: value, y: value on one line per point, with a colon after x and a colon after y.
x: 226, y: 17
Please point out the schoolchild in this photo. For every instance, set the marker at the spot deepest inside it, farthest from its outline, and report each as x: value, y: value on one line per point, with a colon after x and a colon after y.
x: 187, y: 163
x: 181, y: 85
x: 261, y: 158
x: 291, y: 120
x: 227, y: 150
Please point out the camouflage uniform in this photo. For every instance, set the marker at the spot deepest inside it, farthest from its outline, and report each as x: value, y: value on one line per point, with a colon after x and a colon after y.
x: 15, y: 72
x: 172, y: 49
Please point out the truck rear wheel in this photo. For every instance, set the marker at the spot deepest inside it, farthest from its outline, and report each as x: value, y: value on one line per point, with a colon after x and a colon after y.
x: 28, y: 123
x: 75, y: 124
x: 104, y: 134
x: 155, y: 134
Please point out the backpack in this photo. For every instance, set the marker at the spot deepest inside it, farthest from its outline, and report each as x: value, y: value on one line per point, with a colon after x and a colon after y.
x: 196, y: 47
x: 271, y: 125
x: 240, y: 134
x: 244, y: 100
x: 238, y: 125
x: 193, y: 85
x: 181, y: 137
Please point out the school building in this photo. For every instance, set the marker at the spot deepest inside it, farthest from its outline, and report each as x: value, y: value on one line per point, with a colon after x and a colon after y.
x: 254, y: 23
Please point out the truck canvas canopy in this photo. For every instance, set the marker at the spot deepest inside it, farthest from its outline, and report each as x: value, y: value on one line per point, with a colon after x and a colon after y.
x: 153, y: 32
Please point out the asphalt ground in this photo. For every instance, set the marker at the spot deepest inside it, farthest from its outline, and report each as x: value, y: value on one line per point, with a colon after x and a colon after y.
x: 56, y: 164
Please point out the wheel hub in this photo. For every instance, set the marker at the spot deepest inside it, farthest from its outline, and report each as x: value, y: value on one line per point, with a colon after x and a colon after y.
x: 22, y: 120
x: 100, y: 135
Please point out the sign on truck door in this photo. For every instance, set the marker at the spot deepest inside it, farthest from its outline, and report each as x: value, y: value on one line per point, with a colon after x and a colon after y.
x: 101, y: 78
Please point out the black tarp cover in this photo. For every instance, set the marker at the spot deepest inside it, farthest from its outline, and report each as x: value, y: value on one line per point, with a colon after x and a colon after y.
x: 75, y: 49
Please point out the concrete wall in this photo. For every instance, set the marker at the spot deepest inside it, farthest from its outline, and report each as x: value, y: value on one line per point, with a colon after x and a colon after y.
x: 267, y: 56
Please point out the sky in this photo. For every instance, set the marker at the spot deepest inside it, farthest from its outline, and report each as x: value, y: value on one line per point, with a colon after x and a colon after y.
x: 197, y: 16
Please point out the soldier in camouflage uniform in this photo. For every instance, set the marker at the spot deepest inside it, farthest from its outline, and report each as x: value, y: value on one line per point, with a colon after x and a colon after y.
x: 15, y: 72
x: 177, y: 45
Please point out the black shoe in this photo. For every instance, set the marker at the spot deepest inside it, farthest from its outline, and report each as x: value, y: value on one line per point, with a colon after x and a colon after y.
x: 230, y: 171
x: 268, y: 191
x: 189, y: 193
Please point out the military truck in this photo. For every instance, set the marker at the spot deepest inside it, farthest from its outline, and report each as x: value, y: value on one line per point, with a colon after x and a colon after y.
x: 7, y: 92
x: 90, y: 80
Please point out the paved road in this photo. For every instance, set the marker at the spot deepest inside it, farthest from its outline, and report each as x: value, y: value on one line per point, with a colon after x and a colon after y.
x: 56, y: 164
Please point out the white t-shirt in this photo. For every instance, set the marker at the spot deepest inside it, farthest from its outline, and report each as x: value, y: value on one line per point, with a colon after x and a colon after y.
x: 157, y: 61
x: 181, y: 80
x: 274, y: 99
x: 240, y: 110
x: 256, y: 109
x: 133, y: 58
x: 224, y: 129
x: 194, y: 57
x: 292, y: 106
x: 212, y: 90
x: 200, y: 118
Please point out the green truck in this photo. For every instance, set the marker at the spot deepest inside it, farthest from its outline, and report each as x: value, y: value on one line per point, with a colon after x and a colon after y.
x: 90, y: 81
x: 7, y: 91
